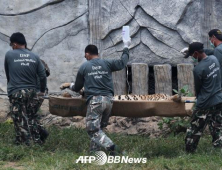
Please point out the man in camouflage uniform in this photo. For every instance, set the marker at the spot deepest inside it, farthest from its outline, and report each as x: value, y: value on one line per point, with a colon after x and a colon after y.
x: 21, y: 68
x: 96, y: 77
x: 207, y: 78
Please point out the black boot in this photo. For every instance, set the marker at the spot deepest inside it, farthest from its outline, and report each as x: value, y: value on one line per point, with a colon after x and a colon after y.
x: 112, y: 150
x: 43, y: 135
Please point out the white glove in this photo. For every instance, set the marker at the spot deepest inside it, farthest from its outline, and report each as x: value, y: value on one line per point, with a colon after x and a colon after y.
x: 184, y: 50
x: 126, y: 43
x: 71, y: 85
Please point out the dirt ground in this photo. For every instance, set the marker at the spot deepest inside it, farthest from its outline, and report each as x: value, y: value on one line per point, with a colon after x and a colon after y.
x: 13, y: 165
x: 144, y: 126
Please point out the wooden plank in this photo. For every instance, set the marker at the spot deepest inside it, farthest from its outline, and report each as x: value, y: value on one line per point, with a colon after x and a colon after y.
x: 163, y: 79
x: 140, y: 78
x: 76, y: 107
x: 185, y: 76
x: 95, y: 22
x: 209, y: 21
x: 119, y: 82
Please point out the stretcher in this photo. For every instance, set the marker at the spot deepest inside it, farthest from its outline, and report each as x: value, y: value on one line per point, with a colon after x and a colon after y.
x: 67, y: 107
x: 76, y: 106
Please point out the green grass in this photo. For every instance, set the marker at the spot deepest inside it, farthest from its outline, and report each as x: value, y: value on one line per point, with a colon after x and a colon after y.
x: 64, y: 146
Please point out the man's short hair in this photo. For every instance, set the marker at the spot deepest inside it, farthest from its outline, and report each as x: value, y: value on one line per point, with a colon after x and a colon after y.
x: 91, y: 49
x: 217, y: 33
x: 18, y: 38
x: 195, y: 46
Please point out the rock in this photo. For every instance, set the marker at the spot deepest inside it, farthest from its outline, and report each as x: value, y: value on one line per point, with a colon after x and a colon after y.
x: 65, y: 122
x: 112, y: 119
x: 14, y: 7
x: 112, y: 10
x: 59, y: 30
x: 51, y: 34
x: 62, y: 42
x: 122, y: 122
x: 4, y: 47
x: 45, y: 19
x: 77, y: 118
x: 44, y: 109
x: 51, y: 120
x: 168, y: 12
x: 122, y: 125
x: 186, y: 27
x: 132, y: 131
x: 80, y: 125
x: 4, y: 109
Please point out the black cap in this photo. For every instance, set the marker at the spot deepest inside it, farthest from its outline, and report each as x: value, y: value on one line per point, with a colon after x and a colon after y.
x: 91, y: 49
x: 18, y: 38
x: 195, y: 46
x: 217, y: 33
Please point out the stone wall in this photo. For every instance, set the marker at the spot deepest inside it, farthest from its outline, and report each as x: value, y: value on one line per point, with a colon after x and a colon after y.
x: 59, y: 30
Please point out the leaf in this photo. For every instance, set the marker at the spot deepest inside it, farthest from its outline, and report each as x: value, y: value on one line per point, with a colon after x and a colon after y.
x: 175, y: 91
x: 185, y: 87
x: 190, y: 94
x: 182, y: 91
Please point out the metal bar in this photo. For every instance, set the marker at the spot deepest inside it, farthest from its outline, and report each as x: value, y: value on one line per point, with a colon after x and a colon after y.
x: 56, y: 92
x: 47, y: 97
x: 190, y: 101
x: 44, y: 97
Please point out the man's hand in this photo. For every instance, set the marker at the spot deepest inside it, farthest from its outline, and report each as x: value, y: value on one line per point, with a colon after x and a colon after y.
x: 65, y: 85
x: 184, y: 50
x: 40, y: 94
x: 126, y: 43
x: 81, y: 92
x: 176, y: 98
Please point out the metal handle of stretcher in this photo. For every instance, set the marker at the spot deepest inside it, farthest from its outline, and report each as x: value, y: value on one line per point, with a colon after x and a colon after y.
x: 47, y: 97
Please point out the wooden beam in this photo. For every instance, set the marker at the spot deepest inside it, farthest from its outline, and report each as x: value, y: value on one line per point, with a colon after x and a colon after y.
x: 185, y: 76
x: 163, y: 79
x: 140, y: 78
x: 95, y: 22
x: 119, y: 82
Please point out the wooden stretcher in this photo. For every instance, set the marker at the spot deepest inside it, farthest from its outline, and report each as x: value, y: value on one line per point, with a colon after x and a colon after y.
x: 67, y: 107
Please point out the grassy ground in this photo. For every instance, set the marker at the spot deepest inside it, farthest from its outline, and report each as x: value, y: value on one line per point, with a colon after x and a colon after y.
x: 64, y: 146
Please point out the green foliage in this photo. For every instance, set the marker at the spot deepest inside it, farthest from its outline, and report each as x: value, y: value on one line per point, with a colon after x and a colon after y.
x: 64, y: 146
x: 184, y: 91
x: 177, y: 124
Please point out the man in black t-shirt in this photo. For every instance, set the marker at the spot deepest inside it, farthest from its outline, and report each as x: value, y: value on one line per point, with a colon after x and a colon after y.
x: 22, y: 68
x: 207, y: 79
x: 95, y: 75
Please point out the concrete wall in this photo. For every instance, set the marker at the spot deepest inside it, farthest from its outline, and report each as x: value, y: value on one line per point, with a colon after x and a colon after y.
x: 59, y: 30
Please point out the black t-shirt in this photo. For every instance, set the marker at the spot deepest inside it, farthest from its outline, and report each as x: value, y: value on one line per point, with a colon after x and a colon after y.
x: 96, y: 75
x: 21, y: 68
x: 207, y: 79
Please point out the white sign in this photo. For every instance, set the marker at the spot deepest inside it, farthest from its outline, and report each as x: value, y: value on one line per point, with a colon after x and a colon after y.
x: 126, y: 33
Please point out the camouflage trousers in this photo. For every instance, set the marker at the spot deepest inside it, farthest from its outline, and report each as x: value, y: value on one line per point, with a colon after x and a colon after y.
x: 200, y: 119
x: 97, y: 117
x: 24, y: 105
x: 39, y: 103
